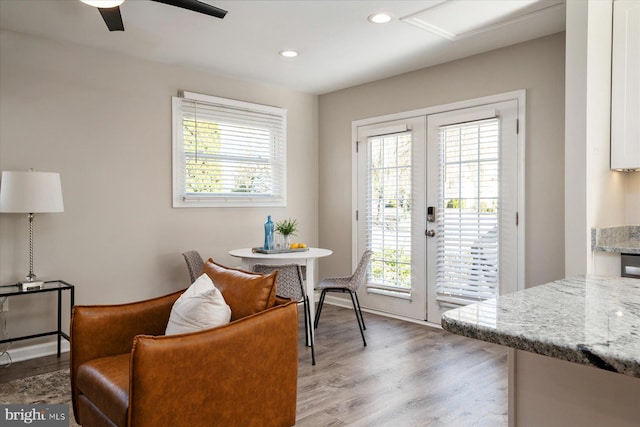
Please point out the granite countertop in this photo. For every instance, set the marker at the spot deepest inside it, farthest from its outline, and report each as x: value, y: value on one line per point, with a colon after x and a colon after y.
x: 590, y: 320
x: 624, y: 239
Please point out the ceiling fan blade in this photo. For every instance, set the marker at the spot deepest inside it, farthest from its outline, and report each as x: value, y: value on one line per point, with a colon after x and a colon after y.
x: 112, y: 18
x: 196, y: 6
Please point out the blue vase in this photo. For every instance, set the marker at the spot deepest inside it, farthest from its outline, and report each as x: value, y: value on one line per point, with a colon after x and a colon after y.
x: 268, y: 234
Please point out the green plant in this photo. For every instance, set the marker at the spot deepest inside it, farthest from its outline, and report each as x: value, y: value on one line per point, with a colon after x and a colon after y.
x: 287, y: 227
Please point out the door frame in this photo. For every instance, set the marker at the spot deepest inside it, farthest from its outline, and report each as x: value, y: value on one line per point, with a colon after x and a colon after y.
x: 517, y: 95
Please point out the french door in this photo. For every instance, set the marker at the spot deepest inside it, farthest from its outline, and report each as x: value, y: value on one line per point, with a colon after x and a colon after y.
x: 473, y: 188
x: 437, y: 202
x: 391, y: 212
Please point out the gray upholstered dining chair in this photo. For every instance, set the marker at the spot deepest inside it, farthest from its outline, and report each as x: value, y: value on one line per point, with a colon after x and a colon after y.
x: 195, y: 263
x: 348, y: 284
x: 290, y: 284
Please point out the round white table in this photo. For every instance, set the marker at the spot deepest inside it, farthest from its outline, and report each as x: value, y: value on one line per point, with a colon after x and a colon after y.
x: 306, y: 258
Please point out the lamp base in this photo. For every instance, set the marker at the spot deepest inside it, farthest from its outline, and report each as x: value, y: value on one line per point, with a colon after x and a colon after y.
x: 31, y: 286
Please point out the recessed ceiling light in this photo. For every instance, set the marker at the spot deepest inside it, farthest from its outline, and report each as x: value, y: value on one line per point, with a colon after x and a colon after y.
x: 289, y: 53
x: 103, y: 3
x: 379, y: 18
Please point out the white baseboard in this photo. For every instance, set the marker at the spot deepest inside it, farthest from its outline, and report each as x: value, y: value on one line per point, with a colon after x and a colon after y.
x: 34, y: 351
x: 346, y: 303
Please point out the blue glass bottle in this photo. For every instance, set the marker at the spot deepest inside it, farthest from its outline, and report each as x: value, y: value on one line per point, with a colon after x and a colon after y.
x: 268, y: 234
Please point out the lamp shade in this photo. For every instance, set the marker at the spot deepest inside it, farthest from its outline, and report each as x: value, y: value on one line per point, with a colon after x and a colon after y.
x: 30, y: 192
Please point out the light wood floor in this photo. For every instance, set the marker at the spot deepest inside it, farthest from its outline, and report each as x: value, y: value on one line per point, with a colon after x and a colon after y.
x: 408, y: 375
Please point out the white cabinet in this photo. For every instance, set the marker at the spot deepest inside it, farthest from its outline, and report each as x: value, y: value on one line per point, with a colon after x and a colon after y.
x: 625, y: 86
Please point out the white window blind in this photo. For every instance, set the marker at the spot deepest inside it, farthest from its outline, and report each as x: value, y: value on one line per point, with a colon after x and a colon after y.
x: 468, y: 207
x: 389, y: 212
x: 228, y: 152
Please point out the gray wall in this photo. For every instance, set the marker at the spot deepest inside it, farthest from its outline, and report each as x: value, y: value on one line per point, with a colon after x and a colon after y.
x: 104, y: 122
x: 537, y: 66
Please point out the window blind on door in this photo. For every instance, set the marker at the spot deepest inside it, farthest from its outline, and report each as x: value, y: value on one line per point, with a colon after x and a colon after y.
x: 388, y: 219
x: 468, y: 204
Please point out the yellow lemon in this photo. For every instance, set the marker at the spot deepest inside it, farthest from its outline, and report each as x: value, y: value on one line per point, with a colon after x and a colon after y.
x: 294, y: 246
x: 302, y: 245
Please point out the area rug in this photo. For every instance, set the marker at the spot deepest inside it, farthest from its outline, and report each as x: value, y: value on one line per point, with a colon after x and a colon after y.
x: 52, y: 387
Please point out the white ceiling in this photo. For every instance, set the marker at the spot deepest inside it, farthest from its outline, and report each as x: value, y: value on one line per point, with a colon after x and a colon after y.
x: 338, y: 47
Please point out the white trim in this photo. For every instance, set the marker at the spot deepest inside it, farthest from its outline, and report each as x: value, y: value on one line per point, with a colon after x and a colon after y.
x: 34, y: 351
x: 385, y: 129
x: 234, y: 103
x: 472, y: 117
x: 475, y: 102
x: 354, y: 197
x: 389, y: 293
x: 521, y: 137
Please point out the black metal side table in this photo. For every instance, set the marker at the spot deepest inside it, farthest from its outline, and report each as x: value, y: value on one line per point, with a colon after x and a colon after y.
x: 49, y: 286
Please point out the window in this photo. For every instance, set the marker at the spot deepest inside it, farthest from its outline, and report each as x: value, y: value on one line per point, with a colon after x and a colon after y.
x: 389, y: 211
x: 468, y: 210
x: 227, y: 153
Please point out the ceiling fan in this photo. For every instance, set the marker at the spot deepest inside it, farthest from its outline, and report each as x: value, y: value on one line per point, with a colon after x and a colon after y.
x: 110, y: 10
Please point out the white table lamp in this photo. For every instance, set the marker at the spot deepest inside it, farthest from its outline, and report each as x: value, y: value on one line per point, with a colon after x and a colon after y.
x: 30, y: 192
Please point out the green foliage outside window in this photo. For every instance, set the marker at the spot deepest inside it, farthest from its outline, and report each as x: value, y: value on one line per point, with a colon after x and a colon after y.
x: 207, y: 168
x: 252, y: 179
x: 486, y: 205
x: 393, y: 267
x: 389, y: 210
x: 202, y: 143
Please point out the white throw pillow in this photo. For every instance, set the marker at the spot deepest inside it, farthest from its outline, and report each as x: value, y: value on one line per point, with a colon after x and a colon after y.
x: 202, y: 306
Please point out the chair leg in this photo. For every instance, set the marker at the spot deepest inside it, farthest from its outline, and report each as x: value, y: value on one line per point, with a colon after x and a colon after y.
x: 308, y: 329
x: 355, y: 310
x: 360, y: 311
x: 305, y: 307
x: 320, y: 303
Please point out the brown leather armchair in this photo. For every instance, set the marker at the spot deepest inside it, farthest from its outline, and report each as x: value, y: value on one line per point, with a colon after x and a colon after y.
x: 125, y: 372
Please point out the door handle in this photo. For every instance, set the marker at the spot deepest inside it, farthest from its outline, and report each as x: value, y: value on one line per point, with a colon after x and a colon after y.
x: 430, y: 233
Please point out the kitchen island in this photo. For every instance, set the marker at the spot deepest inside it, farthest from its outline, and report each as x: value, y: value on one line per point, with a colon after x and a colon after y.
x: 575, y: 349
